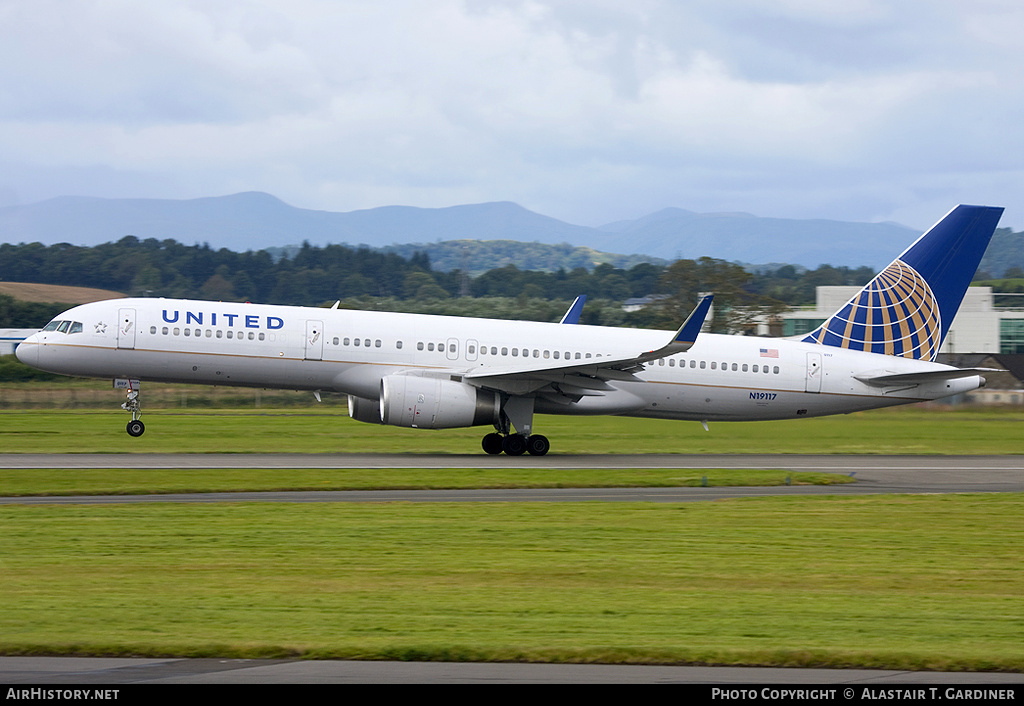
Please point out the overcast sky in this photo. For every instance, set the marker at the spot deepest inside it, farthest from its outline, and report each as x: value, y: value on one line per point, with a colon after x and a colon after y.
x: 590, y: 111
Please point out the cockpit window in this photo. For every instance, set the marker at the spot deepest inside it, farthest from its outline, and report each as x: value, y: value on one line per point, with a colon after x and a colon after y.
x: 64, y: 326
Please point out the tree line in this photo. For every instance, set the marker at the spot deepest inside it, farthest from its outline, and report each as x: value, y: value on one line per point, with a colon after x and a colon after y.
x: 369, y: 278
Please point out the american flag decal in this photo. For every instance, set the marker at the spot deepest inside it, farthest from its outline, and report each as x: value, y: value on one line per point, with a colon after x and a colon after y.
x: 769, y: 352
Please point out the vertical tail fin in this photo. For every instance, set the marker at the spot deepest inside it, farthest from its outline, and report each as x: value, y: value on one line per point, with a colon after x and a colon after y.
x: 906, y: 310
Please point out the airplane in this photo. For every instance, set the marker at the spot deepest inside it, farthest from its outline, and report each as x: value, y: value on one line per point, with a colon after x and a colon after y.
x: 439, y: 372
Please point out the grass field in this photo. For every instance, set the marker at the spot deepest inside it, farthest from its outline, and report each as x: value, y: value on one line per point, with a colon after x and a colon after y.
x: 902, y: 582
x: 327, y: 429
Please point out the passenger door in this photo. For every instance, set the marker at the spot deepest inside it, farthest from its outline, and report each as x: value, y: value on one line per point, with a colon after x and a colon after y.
x: 126, y: 328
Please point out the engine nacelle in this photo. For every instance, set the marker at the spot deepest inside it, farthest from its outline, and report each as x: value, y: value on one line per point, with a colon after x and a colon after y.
x: 364, y: 410
x: 433, y: 403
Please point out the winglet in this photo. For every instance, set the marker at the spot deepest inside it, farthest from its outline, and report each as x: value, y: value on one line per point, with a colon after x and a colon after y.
x: 687, y: 334
x: 572, y: 316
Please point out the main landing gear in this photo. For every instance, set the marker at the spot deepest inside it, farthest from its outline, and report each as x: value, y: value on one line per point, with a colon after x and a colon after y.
x: 516, y: 412
x: 516, y: 444
x: 135, y: 426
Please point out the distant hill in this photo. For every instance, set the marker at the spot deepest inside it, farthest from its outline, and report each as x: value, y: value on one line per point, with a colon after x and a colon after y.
x: 1005, y: 251
x: 50, y: 293
x: 478, y: 256
x: 255, y: 221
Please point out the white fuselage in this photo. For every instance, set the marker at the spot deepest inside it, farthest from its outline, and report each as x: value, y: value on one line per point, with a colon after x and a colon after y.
x: 302, y: 348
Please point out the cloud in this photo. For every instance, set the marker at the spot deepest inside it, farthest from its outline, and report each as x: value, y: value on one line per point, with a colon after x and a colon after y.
x: 589, y: 111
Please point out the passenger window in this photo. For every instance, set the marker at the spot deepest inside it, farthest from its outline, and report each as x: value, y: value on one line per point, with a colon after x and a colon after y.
x: 419, y: 346
x: 504, y: 350
x: 366, y: 342
x: 164, y: 331
x: 744, y: 367
x: 472, y: 349
x: 430, y: 346
x: 734, y: 367
x: 398, y: 345
x: 220, y: 334
x: 152, y: 329
x: 714, y: 365
x: 263, y: 336
x: 356, y: 342
x: 672, y: 363
x: 440, y: 347
x: 231, y: 334
x: 703, y: 364
x: 335, y: 341
x: 775, y: 370
x: 376, y: 343
x: 693, y: 364
x: 188, y: 332
x: 178, y: 331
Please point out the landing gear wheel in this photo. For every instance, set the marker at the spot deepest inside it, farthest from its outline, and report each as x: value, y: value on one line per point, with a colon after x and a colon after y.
x: 492, y: 443
x: 136, y: 427
x: 537, y: 445
x: 514, y: 445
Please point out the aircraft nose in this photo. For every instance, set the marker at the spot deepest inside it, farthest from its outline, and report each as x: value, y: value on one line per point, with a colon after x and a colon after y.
x: 28, y: 351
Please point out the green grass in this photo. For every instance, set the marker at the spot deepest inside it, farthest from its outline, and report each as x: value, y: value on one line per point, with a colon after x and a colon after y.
x: 328, y: 430
x: 134, y: 481
x: 901, y: 582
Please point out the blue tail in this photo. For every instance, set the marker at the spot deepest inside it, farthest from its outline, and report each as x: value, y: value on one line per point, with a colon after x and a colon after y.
x: 907, y: 309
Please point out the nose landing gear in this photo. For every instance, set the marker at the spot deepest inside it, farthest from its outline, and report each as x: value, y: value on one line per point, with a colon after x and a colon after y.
x: 135, y: 426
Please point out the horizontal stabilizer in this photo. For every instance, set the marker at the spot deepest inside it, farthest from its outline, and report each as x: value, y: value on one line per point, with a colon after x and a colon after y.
x: 885, y: 379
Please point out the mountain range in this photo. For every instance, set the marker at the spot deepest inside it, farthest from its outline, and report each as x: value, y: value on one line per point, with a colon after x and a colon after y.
x: 255, y: 221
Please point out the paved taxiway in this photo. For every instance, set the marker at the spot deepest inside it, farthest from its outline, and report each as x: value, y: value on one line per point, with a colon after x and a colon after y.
x: 874, y: 474
x: 108, y: 671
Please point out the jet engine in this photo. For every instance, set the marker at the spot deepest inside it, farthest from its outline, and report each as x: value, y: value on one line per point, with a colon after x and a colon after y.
x: 364, y: 410
x: 434, y: 403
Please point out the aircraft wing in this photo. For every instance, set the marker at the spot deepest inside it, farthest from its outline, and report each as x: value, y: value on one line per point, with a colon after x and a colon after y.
x: 590, y: 377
